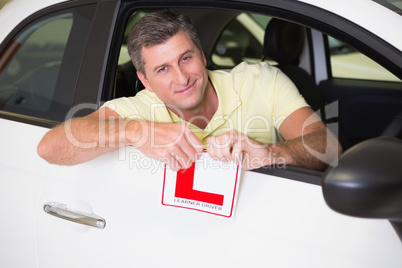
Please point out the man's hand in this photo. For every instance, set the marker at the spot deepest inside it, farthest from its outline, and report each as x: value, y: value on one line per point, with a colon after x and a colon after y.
x: 173, y: 144
x: 307, y: 144
x: 238, y: 147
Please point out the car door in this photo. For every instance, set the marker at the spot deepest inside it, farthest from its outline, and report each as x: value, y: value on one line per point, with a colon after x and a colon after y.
x: 21, y: 181
x: 278, y: 222
x: 281, y: 218
x: 37, y: 77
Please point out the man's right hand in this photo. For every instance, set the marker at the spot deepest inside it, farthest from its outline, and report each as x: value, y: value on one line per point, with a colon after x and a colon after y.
x: 173, y: 144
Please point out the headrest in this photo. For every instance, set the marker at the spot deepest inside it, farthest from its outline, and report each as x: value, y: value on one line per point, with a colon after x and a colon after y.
x: 283, y: 41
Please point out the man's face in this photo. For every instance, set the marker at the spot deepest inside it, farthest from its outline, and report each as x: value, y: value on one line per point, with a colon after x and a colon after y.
x: 175, y: 71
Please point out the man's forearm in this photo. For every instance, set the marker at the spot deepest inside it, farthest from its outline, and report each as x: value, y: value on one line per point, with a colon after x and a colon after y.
x: 315, y: 150
x: 80, y: 140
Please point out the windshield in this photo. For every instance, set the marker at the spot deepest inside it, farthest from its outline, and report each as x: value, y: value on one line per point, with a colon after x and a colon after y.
x: 394, y: 5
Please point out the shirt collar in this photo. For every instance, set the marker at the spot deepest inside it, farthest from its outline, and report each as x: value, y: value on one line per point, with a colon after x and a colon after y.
x: 227, y: 97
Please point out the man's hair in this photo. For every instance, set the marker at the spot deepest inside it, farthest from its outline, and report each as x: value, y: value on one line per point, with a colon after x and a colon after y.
x: 156, y: 28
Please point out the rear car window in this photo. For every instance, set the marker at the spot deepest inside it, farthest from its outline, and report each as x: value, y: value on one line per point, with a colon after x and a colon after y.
x: 347, y: 62
x: 33, y: 66
x: 241, y: 40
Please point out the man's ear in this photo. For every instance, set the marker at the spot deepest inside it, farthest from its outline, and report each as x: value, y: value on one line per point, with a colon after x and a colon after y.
x: 204, y: 59
x: 144, y: 81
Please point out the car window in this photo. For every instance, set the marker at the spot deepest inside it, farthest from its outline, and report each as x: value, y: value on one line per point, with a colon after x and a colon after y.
x: 241, y: 40
x: 31, y: 66
x: 347, y: 62
x: 394, y: 5
x: 124, y: 57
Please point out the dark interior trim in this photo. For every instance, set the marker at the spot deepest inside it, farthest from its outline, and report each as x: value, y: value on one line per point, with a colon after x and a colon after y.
x: 293, y: 173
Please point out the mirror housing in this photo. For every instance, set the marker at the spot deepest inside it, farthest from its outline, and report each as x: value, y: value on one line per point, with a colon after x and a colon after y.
x: 368, y: 181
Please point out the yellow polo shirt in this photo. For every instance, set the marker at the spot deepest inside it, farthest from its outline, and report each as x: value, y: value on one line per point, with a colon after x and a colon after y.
x: 254, y: 98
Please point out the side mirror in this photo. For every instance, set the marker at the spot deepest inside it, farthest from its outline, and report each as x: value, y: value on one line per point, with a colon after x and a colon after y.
x: 368, y: 181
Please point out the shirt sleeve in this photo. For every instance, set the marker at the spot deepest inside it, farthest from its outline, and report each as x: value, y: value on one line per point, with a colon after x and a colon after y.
x: 126, y: 108
x: 145, y: 105
x: 287, y: 99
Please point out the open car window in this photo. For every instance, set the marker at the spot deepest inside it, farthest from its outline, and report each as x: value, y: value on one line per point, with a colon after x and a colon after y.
x: 235, y: 36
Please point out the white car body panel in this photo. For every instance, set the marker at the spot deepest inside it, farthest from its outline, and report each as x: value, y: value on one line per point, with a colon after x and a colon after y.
x: 21, y: 181
x: 370, y: 18
x: 278, y: 223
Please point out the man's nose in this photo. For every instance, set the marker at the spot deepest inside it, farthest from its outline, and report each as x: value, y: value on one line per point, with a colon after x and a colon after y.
x: 182, y: 77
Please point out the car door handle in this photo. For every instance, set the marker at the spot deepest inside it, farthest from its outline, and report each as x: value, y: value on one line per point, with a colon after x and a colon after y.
x: 61, y: 211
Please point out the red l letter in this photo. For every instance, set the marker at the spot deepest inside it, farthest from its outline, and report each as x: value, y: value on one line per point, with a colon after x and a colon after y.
x: 184, y: 188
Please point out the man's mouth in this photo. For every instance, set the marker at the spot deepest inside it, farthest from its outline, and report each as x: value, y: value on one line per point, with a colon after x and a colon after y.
x: 186, y: 89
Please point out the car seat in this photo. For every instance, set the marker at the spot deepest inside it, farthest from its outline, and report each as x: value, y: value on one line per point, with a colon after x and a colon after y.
x: 127, y: 81
x: 283, y: 43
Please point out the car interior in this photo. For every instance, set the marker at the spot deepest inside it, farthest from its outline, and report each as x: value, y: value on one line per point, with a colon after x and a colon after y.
x: 283, y: 43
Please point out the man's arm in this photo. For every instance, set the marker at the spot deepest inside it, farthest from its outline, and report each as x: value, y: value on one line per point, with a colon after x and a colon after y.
x: 82, y: 139
x: 307, y: 143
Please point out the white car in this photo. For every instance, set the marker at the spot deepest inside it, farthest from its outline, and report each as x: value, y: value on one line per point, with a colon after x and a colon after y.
x: 60, y: 59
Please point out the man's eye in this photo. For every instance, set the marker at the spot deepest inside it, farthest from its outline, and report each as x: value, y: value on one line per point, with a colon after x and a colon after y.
x: 186, y: 58
x: 162, y: 69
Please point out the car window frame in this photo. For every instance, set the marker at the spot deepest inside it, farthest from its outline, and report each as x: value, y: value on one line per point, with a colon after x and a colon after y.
x: 126, y: 10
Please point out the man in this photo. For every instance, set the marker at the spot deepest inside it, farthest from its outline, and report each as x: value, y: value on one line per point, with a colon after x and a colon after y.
x: 185, y: 108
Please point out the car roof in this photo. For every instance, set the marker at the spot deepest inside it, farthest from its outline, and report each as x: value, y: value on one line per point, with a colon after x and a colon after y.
x: 376, y: 18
